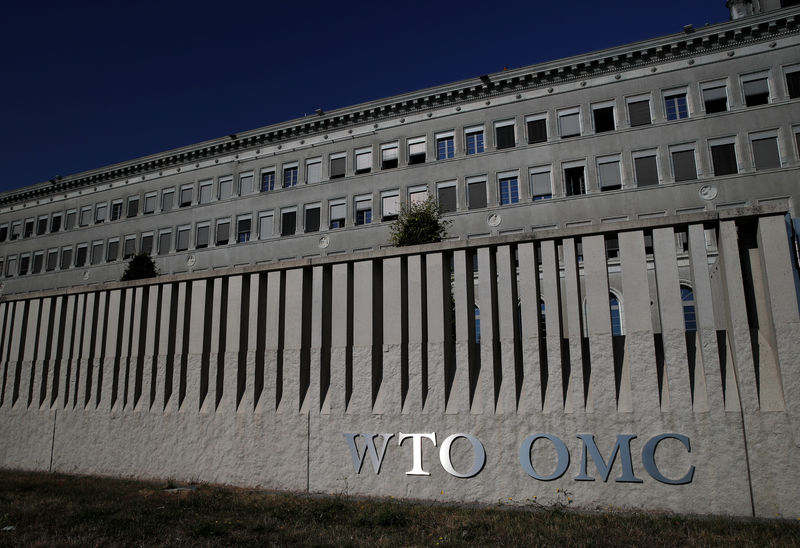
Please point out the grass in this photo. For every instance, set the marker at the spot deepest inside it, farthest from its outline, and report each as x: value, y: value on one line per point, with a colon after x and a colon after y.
x: 52, y: 509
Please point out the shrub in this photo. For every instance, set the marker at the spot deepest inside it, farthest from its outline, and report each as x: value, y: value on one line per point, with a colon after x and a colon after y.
x: 140, y: 266
x: 419, y: 223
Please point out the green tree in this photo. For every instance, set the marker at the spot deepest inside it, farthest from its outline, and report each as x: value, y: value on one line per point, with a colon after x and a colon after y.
x: 139, y: 267
x: 419, y: 223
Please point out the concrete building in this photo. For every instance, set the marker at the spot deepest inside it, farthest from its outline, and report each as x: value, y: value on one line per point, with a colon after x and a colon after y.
x: 622, y: 267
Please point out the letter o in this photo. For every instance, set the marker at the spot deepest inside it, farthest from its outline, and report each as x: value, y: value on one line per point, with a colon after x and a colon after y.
x: 561, y: 452
x: 477, y: 448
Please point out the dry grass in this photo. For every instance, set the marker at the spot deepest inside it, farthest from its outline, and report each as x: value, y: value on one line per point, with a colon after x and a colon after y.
x: 52, y: 510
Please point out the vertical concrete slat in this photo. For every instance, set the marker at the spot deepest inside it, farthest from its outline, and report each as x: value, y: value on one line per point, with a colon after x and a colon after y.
x: 574, y: 400
x: 247, y: 405
x: 66, y: 353
x: 8, y: 336
x: 26, y: 366
x: 340, y: 296
x: 41, y: 362
x: 319, y: 325
x: 134, y: 389
x: 87, y: 351
x: 78, y: 350
x: 17, y: 341
x: 230, y: 363
x: 531, y: 393
x: 485, y: 397
x: 507, y: 330
x: 124, y: 390
x: 437, y: 291
x: 417, y: 341
x: 551, y: 286
x: 145, y: 402
x: 602, y: 383
x: 194, y: 353
x: 56, y: 350
x: 111, y: 360
x: 361, y: 400
x: 465, y: 359
x: 215, y: 359
x: 162, y: 357
x: 4, y: 308
x: 174, y: 402
x: 272, y: 342
x: 96, y: 364
x: 389, y: 394
x: 292, y: 341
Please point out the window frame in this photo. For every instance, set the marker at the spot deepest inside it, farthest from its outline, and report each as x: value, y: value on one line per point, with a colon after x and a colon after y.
x: 226, y: 181
x: 542, y: 116
x: 563, y: 113
x: 636, y: 99
x: 538, y: 170
x: 201, y: 186
x: 115, y: 203
x: 447, y: 185
x: 335, y: 203
x: 508, y: 176
x: 243, y: 236
x: 572, y: 164
x: 712, y: 85
x: 386, y: 163
x: 448, y: 138
x: 477, y: 180
x: 182, y: 195
x: 81, y: 247
x: 500, y: 124
x: 270, y: 182
x: 723, y: 141
x: 206, y: 225
x: 240, y: 187
x: 168, y: 194
x: 646, y: 153
x: 359, y: 154
x: 602, y: 105
x: 336, y: 157
x: 676, y: 93
x: 475, y: 130
x: 286, y: 211
x: 604, y: 160
x: 109, y: 243
x: 752, y: 77
x: 316, y: 161
x: 684, y: 147
x: 179, y: 231
x: 361, y: 199
x: 161, y: 233
x: 286, y: 170
x: 384, y: 196
x: 762, y: 136
x: 263, y: 215
x: 153, y: 196
x: 418, y: 157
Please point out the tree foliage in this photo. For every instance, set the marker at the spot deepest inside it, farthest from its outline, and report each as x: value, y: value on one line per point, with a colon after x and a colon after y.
x: 140, y: 266
x: 419, y: 223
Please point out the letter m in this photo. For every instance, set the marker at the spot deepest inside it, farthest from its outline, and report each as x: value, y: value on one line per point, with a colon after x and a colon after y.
x: 369, y: 447
x: 622, y: 446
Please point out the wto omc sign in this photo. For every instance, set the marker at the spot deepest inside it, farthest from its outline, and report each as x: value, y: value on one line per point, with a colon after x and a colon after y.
x: 420, y: 443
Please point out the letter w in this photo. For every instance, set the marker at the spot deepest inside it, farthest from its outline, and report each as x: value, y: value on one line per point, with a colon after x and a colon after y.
x: 369, y: 447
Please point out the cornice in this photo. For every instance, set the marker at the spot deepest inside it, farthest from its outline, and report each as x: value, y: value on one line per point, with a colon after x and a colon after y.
x: 690, y: 42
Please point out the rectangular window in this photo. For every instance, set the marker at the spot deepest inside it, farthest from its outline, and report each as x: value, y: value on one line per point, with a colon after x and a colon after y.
x: 363, y: 209
x: 243, y: 227
x: 1, y: 266
x: 223, y: 232
x: 474, y: 139
x: 447, y: 196
x: 85, y: 218
x: 97, y: 253
x: 445, y: 145
x: 80, y: 255
x: 541, y: 184
x: 337, y: 213
x: 312, y: 218
x: 202, y: 237
x: 390, y: 205
x: 41, y: 225
x: 417, y: 194
x: 267, y: 181
x: 639, y: 110
x: 338, y: 165
x: 765, y: 150
x: 675, y: 105
x: 24, y: 264
x: 129, y: 247
x: 603, y: 117
x: 116, y: 210
x: 389, y: 155
x: 206, y: 192
x: 133, y: 206
x: 147, y: 243
x: 363, y: 157
x: 100, y: 213
x: 52, y: 258
x: 416, y: 150
x: 112, y: 251
x: 164, y: 241
x: 645, y: 168
x: 16, y: 228
x: 509, y: 189
x: 11, y: 267
x: 684, y: 167
x: 715, y: 97
x: 723, y: 156
x: 66, y: 257
x: 569, y: 122
x: 167, y: 199
x: 476, y: 193
x: 608, y: 173
x: 55, y: 224
x: 149, y: 203
x: 3, y: 233
x: 288, y: 221
x: 313, y: 171
x: 574, y: 180
x: 793, y: 81
x: 28, y: 228
x: 245, y: 184
x: 756, y: 89
x: 186, y: 195
x: 289, y: 175
x: 266, y: 224
x: 69, y: 223
x: 537, y: 128
x: 225, y: 188
x: 504, y: 134
x: 38, y: 263
x: 182, y: 239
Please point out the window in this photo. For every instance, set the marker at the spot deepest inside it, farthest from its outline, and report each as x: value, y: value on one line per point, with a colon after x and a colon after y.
x: 84, y: 219
x: 182, y: 239
x: 149, y: 203
x: 684, y: 167
x: 225, y: 188
x: 363, y: 209
x: 476, y: 193
x: 389, y: 155
x: 97, y: 253
x: 223, y: 232
x: 447, y: 196
x: 133, y: 206
x: 112, y: 251
x: 28, y: 232
x: 205, y: 192
x: 574, y: 179
x: 675, y: 105
x: 569, y: 122
x: 167, y: 199
x: 417, y: 194
x: 202, y: 237
x: 55, y: 224
x: 445, y: 145
x: 645, y: 168
x: 186, y: 195
x: 715, y: 97
x: 80, y: 255
x: 66, y: 257
x: 504, y: 134
x: 289, y: 175
x: 363, y: 158
x: 723, y: 156
x: 416, y: 150
x: 390, y: 205
x: 756, y: 89
x: 16, y: 228
x: 24, y: 264
x: 288, y: 221
x: 537, y: 128
x: 541, y: 184
x: 41, y: 225
x: 765, y: 150
x: 338, y: 165
x: 116, y: 210
x: 244, y: 225
x: 100, y: 213
x: 615, y: 306
x: 245, y: 184
x: 793, y: 81
x: 338, y: 213
x: 313, y: 170
x: 474, y: 139
x: 129, y: 247
x: 1, y: 265
x: 3, y: 232
x: 312, y: 216
x: 608, y: 173
x: 639, y: 110
x: 266, y: 224
x: 72, y: 215
x: 509, y: 189
x: 11, y: 267
x: 268, y: 180
x: 603, y: 117
x: 38, y: 263
x: 147, y: 243
x: 689, y: 316
x: 164, y: 241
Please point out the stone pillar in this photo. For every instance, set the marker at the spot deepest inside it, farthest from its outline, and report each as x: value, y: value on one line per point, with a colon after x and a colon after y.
x: 437, y: 290
x: 85, y: 362
x: 228, y: 401
x: 364, y: 378
x: 25, y: 368
x: 417, y: 335
x: 15, y: 332
x: 507, y: 313
x: 394, y: 316
x: 179, y: 356
x: 255, y: 298
x: 125, y: 390
x: 574, y: 400
x: 79, y: 349
x: 601, y: 398
x: 148, y: 356
x: 485, y: 397
x: 163, y: 357
x: 273, y: 340
x: 341, y: 318
x: 42, y: 362
x: 135, y: 367
x: 319, y: 353
x: 531, y: 394
x: 194, y: 352
x: 66, y: 353
x: 215, y: 358
x: 111, y: 359
x: 293, y: 392
x: 551, y: 289
x: 53, y: 369
x: 96, y: 380
x: 466, y: 358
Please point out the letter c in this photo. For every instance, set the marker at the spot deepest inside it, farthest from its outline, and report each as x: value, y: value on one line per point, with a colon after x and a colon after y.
x: 649, y: 459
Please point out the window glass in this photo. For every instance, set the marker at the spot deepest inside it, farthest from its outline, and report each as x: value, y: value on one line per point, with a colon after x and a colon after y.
x: 288, y: 222
x: 243, y: 228
x: 206, y: 191
x: 149, y: 203
x: 447, y: 198
x: 338, y: 214
x: 715, y: 99
x: 793, y: 83
x: 41, y: 226
x: 129, y: 248
x: 267, y: 181
x: 646, y: 169
x: 289, y: 176
x: 55, y: 224
x: 133, y: 206
x: 245, y: 184
x: 569, y: 124
x: 100, y: 213
x: 363, y: 210
x: 608, y: 173
x: 182, y: 240
x: 541, y: 187
x: 147, y: 243
x: 186, y: 195
x: 445, y: 147
x: 639, y: 112
x: 266, y: 222
x: 167, y: 200
x: 116, y: 210
x: 225, y: 188
x: 314, y: 171
x: 504, y: 135
x: 390, y: 206
x: 338, y: 166
x: 476, y: 195
x: 474, y: 140
x: 97, y: 253
x: 416, y: 151
x: 603, y: 118
x: 389, y: 156
x: 675, y: 106
x: 574, y: 181
x: 363, y: 160
x: 509, y: 190
x: 80, y: 255
x: 112, y: 251
x: 164, y: 241
x: 723, y: 158
x: 756, y: 91
x: 537, y: 130
x: 223, y: 232
x: 202, y: 236
x: 683, y: 165
x: 765, y: 152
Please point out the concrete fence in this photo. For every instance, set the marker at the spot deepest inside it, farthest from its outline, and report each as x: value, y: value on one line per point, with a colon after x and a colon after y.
x: 651, y: 364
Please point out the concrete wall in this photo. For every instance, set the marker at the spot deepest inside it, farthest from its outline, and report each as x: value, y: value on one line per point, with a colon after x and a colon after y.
x: 361, y: 374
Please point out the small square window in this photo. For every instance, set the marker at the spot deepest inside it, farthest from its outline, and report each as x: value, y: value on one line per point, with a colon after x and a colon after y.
x: 445, y: 146
x: 338, y: 165
x: 537, y: 129
x: 338, y: 214
x: 541, y: 184
x: 765, y: 150
x: 363, y: 210
x: 267, y: 181
x: 645, y: 168
x: 243, y: 228
x: 476, y: 193
x: 182, y: 240
x: 756, y: 89
x: 313, y: 171
x: 389, y: 156
x: 603, y: 117
x: 608, y: 174
x: 245, y: 184
x: 509, y: 190
x: 675, y: 105
x: 684, y: 167
x: 206, y: 192
x: 202, y: 237
x: 474, y: 140
x: 288, y: 222
x: 723, y: 156
x: 416, y: 151
x: 289, y: 176
x: 574, y: 180
x: 569, y: 122
x: 504, y: 134
x: 715, y: 97
x: 363, y: 158
x: 639, y: 111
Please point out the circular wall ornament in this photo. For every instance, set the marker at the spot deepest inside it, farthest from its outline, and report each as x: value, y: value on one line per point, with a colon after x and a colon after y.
x: 708, y: 192
x: 191, y: 260
x: 85, y: 275
x: 324, y: 242
x: 493, y: 219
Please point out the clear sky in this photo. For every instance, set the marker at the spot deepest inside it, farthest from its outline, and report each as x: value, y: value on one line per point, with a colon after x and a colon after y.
x: 88, y: 84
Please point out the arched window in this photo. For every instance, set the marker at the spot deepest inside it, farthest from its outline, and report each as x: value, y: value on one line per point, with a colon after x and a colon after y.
x: 615, y: 304
x: 689, y: 316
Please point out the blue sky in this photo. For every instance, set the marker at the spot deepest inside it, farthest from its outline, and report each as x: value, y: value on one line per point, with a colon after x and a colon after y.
x: 88, y: 84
